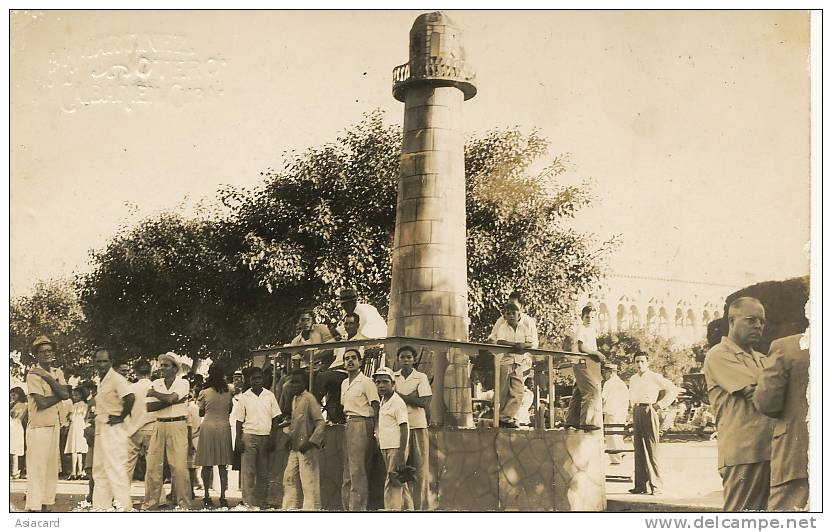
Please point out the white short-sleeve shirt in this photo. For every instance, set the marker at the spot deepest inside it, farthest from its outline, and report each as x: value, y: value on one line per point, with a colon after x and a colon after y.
x: 392, y: 413
x: 415, y: 382
x: 587, y: 336
x: 108, y: 398
x: 357, y: 396
x: 256, y: 411
x: 181, y: 388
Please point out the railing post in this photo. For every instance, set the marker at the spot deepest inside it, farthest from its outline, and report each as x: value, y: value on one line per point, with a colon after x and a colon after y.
x: 311, y: 373
x: 538, y: 422
x: 551, y: 381
x: 497, y: 392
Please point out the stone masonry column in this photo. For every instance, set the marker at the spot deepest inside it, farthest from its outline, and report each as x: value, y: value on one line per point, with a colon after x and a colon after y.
x: 429, y: 289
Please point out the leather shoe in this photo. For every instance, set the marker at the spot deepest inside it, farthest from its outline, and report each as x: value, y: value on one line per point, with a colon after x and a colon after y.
x: 508, y: 424
x: 636, y: 491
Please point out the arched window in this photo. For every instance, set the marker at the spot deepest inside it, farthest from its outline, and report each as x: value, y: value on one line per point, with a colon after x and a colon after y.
x: 690, y: 319
x: 619, y: 317
x: 663, y: 328
x: 635, y: 317
x: 679, y: 318
x: 652, y: 324
x: 603, y: 318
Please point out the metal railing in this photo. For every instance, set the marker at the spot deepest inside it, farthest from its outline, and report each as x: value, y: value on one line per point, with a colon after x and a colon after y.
x: 543, y: 362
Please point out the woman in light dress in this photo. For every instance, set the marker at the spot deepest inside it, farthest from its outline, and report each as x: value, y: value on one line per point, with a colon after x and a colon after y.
x: 214, y: 445
x: 76, y: 444
x: 18, y: 413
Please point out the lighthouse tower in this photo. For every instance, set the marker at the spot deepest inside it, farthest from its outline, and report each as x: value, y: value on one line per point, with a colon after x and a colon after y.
x: 428, y: 294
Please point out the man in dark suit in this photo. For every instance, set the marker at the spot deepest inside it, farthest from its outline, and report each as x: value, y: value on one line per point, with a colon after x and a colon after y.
x: 781, y: 394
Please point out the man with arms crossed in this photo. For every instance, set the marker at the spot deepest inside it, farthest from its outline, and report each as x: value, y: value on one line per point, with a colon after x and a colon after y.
x: 46, y: 387
x: 732, y: 369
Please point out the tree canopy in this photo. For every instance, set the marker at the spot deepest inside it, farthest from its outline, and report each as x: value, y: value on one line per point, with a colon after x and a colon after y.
x: 324, y: 220
x: 52, y: 309
x: 665, y: 357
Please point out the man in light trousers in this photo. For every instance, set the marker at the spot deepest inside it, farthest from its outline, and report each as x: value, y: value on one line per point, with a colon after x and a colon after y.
x: 46, y: 388
x: 141, y: 424
x: 170, y: 440
x: 113, y: 403
x: 302, y: 476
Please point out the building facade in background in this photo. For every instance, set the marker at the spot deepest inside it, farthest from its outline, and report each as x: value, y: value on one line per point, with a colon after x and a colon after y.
x: 671, y: 308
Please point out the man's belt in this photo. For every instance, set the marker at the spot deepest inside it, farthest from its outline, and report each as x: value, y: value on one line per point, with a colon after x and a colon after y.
x: 170, y: 419
x: 359, y: 417
x: 644, y: 404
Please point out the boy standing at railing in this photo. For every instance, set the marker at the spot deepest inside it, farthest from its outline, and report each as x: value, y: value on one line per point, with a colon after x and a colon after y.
x: 414, y: 389
x: 585, y: 409
x: 513, y: 367
x: 393, y: 436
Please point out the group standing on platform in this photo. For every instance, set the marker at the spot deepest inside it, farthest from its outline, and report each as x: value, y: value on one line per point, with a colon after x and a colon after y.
x: 183, y: 432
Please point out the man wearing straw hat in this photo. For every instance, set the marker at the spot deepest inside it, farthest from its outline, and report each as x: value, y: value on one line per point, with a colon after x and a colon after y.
x: 46, y: 387
x: 166, y: 397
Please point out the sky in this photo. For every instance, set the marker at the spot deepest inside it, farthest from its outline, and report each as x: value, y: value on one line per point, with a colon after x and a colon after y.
x: 693, y: 126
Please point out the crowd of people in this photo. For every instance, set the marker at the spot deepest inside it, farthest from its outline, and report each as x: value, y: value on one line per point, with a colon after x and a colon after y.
x: 183, y: 428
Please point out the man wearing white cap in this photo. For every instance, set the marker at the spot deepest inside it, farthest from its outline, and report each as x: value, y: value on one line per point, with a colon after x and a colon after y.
x: 47, y: 387
x: 167, y: 398
x: 393, y: 435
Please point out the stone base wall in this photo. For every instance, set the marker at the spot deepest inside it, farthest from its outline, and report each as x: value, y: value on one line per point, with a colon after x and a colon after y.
x: 488, y: 469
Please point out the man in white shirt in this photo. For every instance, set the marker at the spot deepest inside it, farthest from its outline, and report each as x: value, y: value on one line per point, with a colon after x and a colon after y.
x: 113, y: 403
x: 649, y: 392
x: 352, y: 326
x: 414, y: 389
x: 513, y: 367
x: 517, y: 298
x: 615, y: 398
x: 46, y: 387
x: 166, y: 397
x: 585, y: 409
x: 360, y: 400
x: 141, y: 424
x: 393, y: 435
x: 372, y: 325
x: 257, y: 419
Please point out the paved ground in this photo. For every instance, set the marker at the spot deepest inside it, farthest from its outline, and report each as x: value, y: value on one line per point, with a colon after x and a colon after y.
x: 691, y: 484
x: 691, y: 481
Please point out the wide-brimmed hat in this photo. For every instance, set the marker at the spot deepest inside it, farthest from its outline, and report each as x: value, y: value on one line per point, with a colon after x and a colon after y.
x: 613, y: 367
x: 347, y: 294
x: 172, y: 357
x: 43, y: 340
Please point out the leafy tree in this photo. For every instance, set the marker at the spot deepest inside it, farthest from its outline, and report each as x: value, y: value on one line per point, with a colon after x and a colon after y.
x: 173, y: 284
x: 52, y: 309
x: 325, y: 220
x: 666, y: 358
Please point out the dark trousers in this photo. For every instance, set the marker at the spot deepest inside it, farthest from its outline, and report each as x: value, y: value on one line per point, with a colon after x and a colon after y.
x: 646, y: 444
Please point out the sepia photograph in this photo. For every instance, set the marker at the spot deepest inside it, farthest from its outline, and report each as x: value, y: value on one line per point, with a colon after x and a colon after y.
x: 436, y: 260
